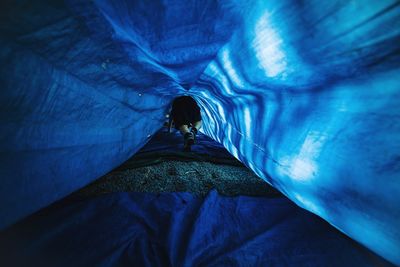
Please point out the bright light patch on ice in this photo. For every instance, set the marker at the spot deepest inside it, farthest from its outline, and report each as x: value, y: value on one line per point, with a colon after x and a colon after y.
x: 220, y: 111
x: 302, y: 169
x: 227, y: 62
x: 302, y: 166
x: 247, y: 121
x: 214, y: 71
x: 268, y: 48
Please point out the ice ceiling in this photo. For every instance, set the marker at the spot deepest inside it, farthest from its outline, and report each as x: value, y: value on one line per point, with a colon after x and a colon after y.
x: 305, y: 93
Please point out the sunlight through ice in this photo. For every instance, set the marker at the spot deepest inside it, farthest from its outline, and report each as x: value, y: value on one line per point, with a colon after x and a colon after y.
x: 268, y: 48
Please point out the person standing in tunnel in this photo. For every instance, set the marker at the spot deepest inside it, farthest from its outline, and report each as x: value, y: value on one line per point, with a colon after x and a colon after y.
x: 185, y: 114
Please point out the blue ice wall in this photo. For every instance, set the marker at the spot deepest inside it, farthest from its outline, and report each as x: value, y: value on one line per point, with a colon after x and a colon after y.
x: 308, y: 97
x: 305, y: 93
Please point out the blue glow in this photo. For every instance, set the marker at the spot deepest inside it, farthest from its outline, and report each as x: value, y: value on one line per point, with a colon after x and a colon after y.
x: 247, y: 120
x: 319, y: 145
x: 305, y: 93
x: 268, y: 48
x: 233, y: 75
x: 302, y: 166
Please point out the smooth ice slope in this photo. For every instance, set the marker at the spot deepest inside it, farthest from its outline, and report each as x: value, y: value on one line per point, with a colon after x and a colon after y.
x: 305, y: 93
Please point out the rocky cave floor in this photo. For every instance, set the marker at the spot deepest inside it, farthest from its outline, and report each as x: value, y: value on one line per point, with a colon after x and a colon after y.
x: 196, y: 177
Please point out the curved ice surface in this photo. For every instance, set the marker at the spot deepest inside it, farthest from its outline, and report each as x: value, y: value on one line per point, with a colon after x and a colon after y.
x: 305, y: 93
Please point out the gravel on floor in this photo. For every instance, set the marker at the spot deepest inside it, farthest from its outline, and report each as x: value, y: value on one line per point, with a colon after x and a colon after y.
x: 196, y: 177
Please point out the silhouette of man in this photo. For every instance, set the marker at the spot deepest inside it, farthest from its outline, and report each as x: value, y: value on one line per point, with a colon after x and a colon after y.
x: 185, y: 114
